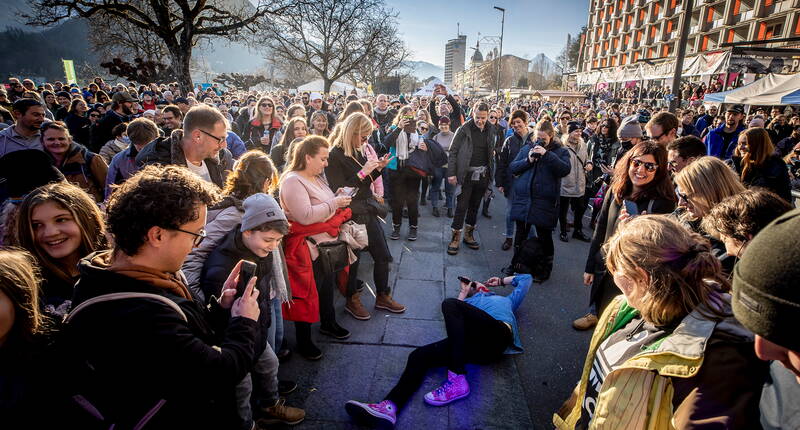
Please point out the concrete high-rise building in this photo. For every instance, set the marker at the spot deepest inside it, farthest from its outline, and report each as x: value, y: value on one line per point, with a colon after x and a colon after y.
x: 455, y: 53
x: 625, y: 32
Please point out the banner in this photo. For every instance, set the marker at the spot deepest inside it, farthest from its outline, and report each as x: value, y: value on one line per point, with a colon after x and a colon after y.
x: 69, y: 71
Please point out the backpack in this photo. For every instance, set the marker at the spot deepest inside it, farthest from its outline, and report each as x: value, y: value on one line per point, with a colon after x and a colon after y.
x: 529, y: 258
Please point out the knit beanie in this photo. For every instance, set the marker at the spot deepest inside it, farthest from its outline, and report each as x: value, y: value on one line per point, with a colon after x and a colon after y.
x: 629, y: 128
x: 259, y: 209
x: 26, y: 170
x: 766, y: 297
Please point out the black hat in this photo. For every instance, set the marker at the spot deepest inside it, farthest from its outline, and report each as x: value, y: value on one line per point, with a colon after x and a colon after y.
x: 181, y: 100
x: 573, y: 125
x: 64, y: 94
x: 736, y: 109
x: 26, y: 170
x: 765, y: 296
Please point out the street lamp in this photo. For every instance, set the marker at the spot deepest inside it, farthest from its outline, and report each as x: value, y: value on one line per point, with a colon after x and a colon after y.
x: 500, y: 57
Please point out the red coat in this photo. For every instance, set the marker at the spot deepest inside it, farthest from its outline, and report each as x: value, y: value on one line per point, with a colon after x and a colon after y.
x: 304, y: 304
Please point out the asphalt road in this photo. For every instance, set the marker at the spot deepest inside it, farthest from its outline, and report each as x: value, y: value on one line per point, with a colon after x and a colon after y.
x: 519, y: 392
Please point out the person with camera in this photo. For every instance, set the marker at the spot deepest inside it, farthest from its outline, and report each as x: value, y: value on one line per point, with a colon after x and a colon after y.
x: 445, y: 105
x: 539, y: 168
x: 481, y: 329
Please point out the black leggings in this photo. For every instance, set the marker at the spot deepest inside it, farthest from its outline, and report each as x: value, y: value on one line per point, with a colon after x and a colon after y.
x: 326, y: 283
x: 578, y: 208
x: 473, y: 336
x: 405, y: 192
x: 381, y: 256
x: 545, y: 236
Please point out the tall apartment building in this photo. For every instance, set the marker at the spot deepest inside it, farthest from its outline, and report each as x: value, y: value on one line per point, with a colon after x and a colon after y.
x: 623, y: 32
x: 455, y: 53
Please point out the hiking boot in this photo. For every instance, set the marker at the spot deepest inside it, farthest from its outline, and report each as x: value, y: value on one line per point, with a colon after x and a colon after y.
x: 286, y: 387
x: 507, y: 244
x: 385, y: 302
x: 376, y: 415
x: 585, y: 322
x: 469, y: 239
x: 456, y: 387
x: 334, y: 330
x: 309, y: 351
x: 450, y: 213
x: 436, y: 212
x: 452, y: 248
x: 578, y: 234
x: 356, y: 309
x: 280, y: 413
x: 563, y: 236
x: 412, y: 233
x: 395, y: 232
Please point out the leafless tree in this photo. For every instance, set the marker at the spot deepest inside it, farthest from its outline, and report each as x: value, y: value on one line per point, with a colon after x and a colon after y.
x: 388, y: 58
x: 331, y: 37
x: 179, y: 24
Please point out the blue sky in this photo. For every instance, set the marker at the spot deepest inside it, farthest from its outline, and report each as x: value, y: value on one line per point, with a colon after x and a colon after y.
x: 531, y: 26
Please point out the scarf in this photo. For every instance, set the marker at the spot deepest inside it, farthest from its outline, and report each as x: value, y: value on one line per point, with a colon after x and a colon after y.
x: 405, y: 145
x: 279, y: 276
x: 171, y: 282
x: 381, y: 112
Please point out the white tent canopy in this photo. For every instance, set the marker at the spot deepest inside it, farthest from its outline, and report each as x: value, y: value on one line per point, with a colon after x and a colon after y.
x: 770, y: 90
x: 427, y: 90
x: 318, y: 85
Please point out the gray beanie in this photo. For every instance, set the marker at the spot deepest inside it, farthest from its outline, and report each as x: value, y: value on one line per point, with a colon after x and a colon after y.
x: 629, y: 128
x: 259, y: 209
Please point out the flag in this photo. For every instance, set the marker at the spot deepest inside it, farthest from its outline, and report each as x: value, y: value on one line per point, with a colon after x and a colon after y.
x: 69, y: 71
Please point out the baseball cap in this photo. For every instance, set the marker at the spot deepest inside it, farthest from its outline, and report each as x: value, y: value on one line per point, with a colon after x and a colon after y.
x: 736, y: 109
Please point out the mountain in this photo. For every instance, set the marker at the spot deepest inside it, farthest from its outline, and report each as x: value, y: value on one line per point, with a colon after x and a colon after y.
x: 423, y: 69
x: 543, y: 65
x: 13, y: 9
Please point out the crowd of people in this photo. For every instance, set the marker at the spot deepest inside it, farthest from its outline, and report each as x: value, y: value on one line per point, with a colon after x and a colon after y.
x: 156, y: 242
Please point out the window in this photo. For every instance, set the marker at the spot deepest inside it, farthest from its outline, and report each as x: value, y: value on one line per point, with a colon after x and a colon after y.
x: 774, y: 31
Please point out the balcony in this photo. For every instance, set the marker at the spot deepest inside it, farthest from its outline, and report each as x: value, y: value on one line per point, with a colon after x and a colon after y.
x: 694, y: 28
x: 718, y: 23
x: 679, y: 8
x: 750, y: 14
x: 782, y: 6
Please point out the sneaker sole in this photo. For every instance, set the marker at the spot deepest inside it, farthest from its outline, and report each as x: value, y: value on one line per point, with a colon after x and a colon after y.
x: 438, y: 403
x: 354, y: 315
x: 271, y: 421
x: 331, y: 334
x: 362, y: 414
x: 412, y: 238
x: 452, y: 252
x: 311, y: 357
x: 390, y: 309
x: 394, y: 238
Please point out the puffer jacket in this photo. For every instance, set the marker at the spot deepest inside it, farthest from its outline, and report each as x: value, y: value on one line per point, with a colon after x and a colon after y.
x: 85, y: 169
x: 574, y: 184
x: 704, y: 374
x: 537, y: 186
x: 168, y: 150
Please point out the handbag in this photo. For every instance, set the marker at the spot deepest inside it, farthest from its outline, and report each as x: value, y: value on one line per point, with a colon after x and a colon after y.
x: 529, y: 258
x: 419, y: 162
x: 333, y: 255
x: 436, y: 153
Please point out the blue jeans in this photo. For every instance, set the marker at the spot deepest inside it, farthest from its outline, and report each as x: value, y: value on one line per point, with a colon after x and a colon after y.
x: 439, y: 175
x: 275, y: 333
x: 509, y: 223
x: 259, y: 387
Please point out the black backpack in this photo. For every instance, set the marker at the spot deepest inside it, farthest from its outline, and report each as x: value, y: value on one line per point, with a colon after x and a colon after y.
x: 529, y: 258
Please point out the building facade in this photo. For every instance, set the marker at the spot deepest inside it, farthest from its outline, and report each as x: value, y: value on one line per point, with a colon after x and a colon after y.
x: 624, y: 32
x: 455, y: 53
x: 481, y: 77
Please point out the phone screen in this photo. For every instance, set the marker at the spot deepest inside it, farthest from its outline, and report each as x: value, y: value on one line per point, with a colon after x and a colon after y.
x: 631, y: 207
x: 246, y: 272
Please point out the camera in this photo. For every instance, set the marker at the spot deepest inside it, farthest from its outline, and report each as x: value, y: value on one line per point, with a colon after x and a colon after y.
x: 533, y: 155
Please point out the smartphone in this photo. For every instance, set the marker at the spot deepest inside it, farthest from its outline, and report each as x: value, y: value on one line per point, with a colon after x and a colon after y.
x: 348, y: 191
x: 631, y: 207
x: 464, y: 280
x: 246, y: 272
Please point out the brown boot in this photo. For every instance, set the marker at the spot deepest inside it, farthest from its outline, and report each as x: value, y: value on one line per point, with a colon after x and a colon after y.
x: 469, y: 239
x: 385, y: 302
x: 452, y: 248
x: 280, y: 414
x: 585, y: 322
x: 355, y: 308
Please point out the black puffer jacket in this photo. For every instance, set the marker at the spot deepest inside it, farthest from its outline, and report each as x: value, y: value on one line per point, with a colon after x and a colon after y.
x: 137, y: 358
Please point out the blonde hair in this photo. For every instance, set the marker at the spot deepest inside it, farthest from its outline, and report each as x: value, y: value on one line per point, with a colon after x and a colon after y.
x: 19, y: 281
x: 256, y: 114
x: 708, y: 181
x: 351, y: 108
x: 351, y: 129
x: 681, y: 272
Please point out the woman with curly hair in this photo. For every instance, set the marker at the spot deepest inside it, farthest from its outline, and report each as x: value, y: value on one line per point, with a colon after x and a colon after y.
x: 59, y: 224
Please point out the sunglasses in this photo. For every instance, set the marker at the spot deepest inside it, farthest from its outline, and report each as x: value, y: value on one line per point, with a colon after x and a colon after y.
x: 492, y: 117
x: 566, y: 118
x: 423, y: 129
x: 94, y: 115
x: 266, y: 105
x: 650, y: 167
x: 681, y: 196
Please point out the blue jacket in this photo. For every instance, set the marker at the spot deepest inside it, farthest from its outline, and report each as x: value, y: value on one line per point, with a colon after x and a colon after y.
x: 703, y: 122
x: 537, y: 186
x: 235, y: 145
x: 713, y: 142
x: 502, y: 308
x: 503, y: 177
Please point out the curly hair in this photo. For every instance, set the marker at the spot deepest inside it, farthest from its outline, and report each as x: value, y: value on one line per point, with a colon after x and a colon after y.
x: 742, y: 215
x: 253, y: 170
x: 156, y: 196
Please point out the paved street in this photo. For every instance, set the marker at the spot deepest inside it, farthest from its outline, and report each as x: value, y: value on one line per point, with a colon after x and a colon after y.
x: 520, y: 392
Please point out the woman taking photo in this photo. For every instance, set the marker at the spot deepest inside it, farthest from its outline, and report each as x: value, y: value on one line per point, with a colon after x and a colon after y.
x: 77, y: 121
x: 315, y: 214
x: 349, y: 166
x: 319, y: 124
x: 79, y: 165
x: 295, y: 129
x: 642, y: 180
x: 259, y: 131
x: 757, y: 165
x: 538, y: 169
x: 668, y: 352
x: 404, y: 140
x: 59, y: 224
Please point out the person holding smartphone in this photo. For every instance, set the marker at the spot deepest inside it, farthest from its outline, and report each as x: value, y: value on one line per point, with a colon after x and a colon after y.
x: 481, y: 329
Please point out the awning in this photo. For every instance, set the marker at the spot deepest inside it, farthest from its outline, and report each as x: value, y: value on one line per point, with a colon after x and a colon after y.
x: 770, y: 90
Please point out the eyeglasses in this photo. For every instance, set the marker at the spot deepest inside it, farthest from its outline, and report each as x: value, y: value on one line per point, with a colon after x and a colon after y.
x: 218, y: 139
x: 94, y: 115
x: 266, y: 105
x: 682, y: 196
x: 423, y: 129
x: 650, y: 167
x: 198, y: 237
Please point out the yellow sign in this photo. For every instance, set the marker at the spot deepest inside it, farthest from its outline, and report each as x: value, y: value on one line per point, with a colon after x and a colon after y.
x: 69, y: 71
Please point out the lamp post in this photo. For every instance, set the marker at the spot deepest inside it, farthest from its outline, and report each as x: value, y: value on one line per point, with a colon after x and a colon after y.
x: 675, y: 102
x: 500, y: 57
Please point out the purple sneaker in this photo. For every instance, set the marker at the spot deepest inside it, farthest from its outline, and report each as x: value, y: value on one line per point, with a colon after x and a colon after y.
x: 456, y: 387
x: 378, y: 415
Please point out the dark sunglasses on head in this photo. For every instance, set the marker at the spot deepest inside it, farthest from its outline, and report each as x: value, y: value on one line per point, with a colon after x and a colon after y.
x: 650, y: 167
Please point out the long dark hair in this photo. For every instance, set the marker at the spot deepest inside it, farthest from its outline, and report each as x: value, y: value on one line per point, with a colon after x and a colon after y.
x: 661, y: 185
x: 612, y: 128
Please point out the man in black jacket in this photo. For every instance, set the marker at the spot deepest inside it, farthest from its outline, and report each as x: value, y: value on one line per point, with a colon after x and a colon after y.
x: 121, y: 111
x: 139, y: 350
x: 200, y: 146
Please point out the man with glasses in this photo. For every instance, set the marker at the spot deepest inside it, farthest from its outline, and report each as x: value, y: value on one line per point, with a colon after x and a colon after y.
x: 24, y: 134
x: 200, y: 146
x: 563, y: 123
x: 683, y: 151
x: 662, y: 127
